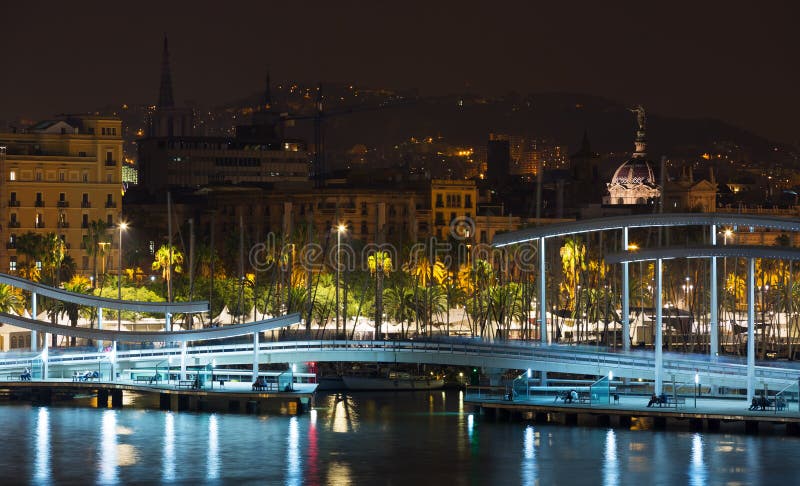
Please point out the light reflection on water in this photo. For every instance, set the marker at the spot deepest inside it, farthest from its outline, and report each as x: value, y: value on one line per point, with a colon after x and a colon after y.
x: 610, y: 466
x: 108, y: 447
x: 42, y: 466
x: 168, y: 468
x: 529, y: 456
x: 293, y: 465
x: 697, y: 467
x: 213, y: 448
x: 365, y: 438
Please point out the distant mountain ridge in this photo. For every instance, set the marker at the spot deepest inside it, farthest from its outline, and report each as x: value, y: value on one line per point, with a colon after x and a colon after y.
x: 467, y: 119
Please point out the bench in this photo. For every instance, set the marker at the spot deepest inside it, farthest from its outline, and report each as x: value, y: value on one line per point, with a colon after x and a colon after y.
x: 147, y: 379
x: 673, y: 401
x: 185, y: 383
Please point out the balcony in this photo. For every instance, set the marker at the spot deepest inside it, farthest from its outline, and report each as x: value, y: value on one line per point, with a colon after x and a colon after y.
x: 11, y: 245
x: 85, y: 225
x: 111, y: 204
x: 13, y: 224
x: 86, y: 204
x: 39, y: 224
x: 62, y: 204
x: 14, y: 203
x: 39, y: 203
x: 111, y: 163
x: 63, y: 224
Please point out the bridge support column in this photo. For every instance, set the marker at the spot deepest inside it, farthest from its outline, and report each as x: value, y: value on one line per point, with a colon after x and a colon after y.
x: 102, y: 398
x: 713, y: 348
x: 751, y: 335
x: 45, y: 356
x: 659, y: 358
x: 116, y: 398
x: 495, y: 375
x: 543, y: 378
x: 255, y: 357
x: 34, y: 335
x: 542, y: 294
x: 113, y: 361
x: 183, y: 360
x: 100, y: 327
x: 626, y: 303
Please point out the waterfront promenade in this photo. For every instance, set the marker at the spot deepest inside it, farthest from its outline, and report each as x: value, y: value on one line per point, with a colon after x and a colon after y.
x: 699, y: 413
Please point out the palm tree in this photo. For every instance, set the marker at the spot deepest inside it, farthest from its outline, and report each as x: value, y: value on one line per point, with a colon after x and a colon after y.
x: 79, y: 285
x: 380, y: 264
x: 162, y: 262
x: 422, y: 270
x: 95, y: 242
x: 30, y: 246
x: 573, y: 262
x: 399, y: 304
x: 10, y: 299
x: 53, y: 252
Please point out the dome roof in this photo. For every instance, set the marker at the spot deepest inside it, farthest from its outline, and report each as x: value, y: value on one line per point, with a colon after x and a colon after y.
x: 635, y: 171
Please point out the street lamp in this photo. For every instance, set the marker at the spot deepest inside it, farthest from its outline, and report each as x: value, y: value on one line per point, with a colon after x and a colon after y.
x: 122, y: 227
x: 341, y: 228
x: 696, y: 387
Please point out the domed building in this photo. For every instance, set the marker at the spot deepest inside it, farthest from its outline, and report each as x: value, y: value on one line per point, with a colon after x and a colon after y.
x: 634, y: 182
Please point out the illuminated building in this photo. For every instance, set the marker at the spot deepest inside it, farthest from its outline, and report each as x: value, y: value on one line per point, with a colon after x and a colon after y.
x: 58, y: 176
x: 171, y: 156
x: 634, y: 182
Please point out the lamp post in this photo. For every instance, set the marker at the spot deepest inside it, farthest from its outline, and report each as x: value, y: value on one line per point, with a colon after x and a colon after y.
x: 122, y: 227
x: 339, y: 230
x: 725, y: 235
x: 696, y: 387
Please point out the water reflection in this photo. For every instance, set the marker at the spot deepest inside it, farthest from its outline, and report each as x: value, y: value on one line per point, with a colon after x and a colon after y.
x: 293, y: 467
x: 697, y: 468
x: 339, y: 474
x: 343, y: 417
x: 168, y: 468
x: 610, y: 464
x: 529, y: 472
x: 213, y: 448
x: 312, y: 449
x: 108, y: 448
x: 42, y: 464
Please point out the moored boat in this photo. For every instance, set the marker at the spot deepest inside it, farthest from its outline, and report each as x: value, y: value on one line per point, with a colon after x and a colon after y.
x: 393, y: 381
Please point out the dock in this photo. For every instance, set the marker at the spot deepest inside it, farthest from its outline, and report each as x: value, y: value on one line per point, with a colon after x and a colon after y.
x: 709, y: 413
x: 233, y: 396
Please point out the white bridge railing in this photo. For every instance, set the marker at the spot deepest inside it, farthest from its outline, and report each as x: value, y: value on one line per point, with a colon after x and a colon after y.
x: 524, y: 355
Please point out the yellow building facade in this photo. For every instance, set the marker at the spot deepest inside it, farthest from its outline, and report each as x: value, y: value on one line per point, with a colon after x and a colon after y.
x: 57, y: 177
x: 453, y: 203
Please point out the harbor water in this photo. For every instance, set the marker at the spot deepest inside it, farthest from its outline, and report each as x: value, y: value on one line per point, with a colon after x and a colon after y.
x: 382, y: 438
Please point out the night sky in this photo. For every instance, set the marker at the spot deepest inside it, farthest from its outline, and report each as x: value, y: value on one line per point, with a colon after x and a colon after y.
x: 693, y: 59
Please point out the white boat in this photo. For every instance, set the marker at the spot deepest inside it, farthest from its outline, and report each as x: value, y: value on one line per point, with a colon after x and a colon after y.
x: 393, y: 381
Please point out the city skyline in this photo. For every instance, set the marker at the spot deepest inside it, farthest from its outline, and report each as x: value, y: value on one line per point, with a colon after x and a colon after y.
x: 676, y: 61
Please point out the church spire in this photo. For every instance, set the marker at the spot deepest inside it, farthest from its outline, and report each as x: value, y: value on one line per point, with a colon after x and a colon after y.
x: 266, y: 102
x: 165, y: 99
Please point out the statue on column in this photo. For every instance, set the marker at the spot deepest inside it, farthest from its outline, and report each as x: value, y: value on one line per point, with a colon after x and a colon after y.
x: 640, y: 116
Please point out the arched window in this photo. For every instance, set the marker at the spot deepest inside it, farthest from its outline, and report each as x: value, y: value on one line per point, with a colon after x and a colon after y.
x: 640, y: 200
x: 620, y: 201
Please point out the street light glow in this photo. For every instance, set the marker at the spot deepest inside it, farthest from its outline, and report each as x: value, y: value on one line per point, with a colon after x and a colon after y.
x: 341, y: 228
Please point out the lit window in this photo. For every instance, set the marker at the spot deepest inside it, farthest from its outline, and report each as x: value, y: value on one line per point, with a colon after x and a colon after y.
x: 12, y: 176
x: 39, y: 265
